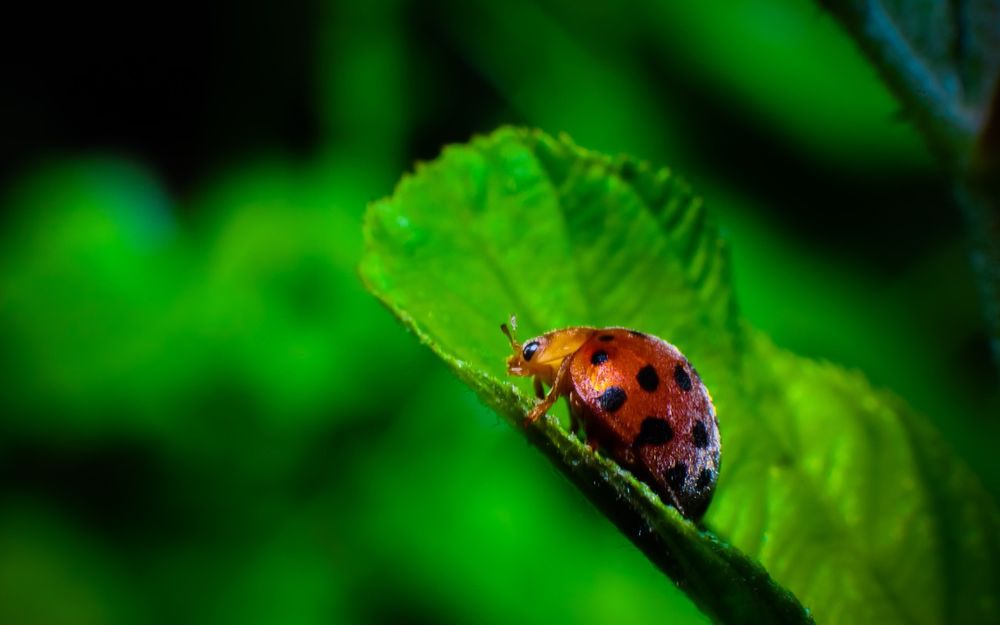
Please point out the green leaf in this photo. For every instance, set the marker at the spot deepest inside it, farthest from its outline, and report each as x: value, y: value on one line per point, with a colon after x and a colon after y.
x: 832, y: 486
x: 852, y: 501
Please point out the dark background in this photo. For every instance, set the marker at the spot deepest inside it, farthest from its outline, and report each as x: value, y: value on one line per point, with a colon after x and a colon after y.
x: 205, y: 418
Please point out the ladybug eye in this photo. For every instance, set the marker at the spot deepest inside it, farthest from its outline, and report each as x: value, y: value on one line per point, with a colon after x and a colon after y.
x: 529, y: 350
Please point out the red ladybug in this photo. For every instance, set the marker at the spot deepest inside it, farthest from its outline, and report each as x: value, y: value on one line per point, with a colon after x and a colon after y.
x: 638, y: 398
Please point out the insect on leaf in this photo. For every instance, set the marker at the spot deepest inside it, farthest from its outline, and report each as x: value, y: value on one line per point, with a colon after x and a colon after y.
x: 828, y: 489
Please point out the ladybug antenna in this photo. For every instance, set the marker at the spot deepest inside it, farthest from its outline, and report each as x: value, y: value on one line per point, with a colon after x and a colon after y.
x: 509, y: 332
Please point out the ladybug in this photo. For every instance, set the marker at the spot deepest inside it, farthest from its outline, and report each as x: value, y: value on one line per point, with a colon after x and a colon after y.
x: 637, y: 398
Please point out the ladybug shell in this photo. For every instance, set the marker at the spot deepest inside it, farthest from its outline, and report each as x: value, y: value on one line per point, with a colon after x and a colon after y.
x: 640, y: 400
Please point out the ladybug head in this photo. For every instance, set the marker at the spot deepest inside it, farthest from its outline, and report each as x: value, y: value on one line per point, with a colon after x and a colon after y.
x: 543, y: 355
x: 525, y: 359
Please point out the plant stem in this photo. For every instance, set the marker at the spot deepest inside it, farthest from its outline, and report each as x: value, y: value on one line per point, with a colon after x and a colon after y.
x: 934, y: 109
x: 959, y: 133
x: 979, y: 199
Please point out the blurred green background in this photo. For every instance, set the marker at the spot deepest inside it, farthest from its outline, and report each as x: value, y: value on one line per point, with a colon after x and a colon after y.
x: 205, y: 419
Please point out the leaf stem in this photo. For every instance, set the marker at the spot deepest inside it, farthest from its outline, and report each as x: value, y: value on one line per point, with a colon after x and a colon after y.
x: 725, y: 584
x: 932, y: 105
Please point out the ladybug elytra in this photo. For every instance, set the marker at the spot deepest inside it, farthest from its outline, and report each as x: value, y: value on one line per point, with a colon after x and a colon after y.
x: 637, y: 398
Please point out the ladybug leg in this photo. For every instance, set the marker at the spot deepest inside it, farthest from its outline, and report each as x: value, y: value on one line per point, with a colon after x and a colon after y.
x: 627, y: 454
x: 596, y: 443
x: 559, y: 387
x: 675, y: 502
x: 539, y: 389
x: 574, y: 423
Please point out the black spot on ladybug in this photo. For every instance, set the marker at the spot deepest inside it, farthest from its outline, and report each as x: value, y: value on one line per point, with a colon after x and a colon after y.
x: 675, y: 476
x: 654, y: 431
x: 700, y: 435
x: 648, y: 379
x: 637, y: 334
x: 704, y: 479
x: 600, y: 357
x: 682, y: 378
x: 612, y: 398
x: 604, y: 338
x: 529, y: 350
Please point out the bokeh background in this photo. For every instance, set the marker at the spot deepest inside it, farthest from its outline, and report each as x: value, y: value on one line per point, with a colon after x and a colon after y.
x: 205, y: 419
